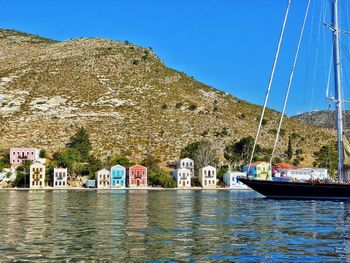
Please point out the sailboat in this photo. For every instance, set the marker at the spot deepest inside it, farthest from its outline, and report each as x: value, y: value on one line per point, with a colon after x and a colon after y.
x: 311, y: 189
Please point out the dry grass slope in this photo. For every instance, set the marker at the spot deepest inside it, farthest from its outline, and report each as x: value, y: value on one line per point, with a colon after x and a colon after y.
x: 129, y: 101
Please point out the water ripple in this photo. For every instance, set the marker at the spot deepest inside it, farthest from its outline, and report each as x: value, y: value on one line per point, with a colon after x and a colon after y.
x: 170, y: 226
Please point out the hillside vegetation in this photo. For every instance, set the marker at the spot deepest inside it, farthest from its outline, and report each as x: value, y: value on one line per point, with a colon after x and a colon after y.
x: 128, y: 100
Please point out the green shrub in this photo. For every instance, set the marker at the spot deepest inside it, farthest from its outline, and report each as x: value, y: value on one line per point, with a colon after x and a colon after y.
x: 42, y: 153
x: 179, y: 105
x: 221, y: 171
x: 192, y: 106
x: 296, y: 162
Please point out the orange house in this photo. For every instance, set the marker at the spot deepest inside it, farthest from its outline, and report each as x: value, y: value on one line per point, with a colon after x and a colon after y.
x: 137, y: 176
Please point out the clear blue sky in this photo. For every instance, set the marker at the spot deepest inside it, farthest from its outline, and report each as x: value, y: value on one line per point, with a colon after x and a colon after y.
x: 228, y: 44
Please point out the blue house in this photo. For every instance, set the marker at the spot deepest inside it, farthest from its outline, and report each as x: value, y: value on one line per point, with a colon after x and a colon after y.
x: 118, y: 176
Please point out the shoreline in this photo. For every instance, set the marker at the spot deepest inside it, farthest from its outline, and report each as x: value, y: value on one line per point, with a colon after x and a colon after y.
x: 123, y: 189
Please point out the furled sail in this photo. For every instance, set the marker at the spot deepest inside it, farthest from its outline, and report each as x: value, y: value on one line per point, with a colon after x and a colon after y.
x: 346, y: 147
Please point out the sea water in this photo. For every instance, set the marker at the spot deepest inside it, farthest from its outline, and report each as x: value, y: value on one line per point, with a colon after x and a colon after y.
x: 176, y: 225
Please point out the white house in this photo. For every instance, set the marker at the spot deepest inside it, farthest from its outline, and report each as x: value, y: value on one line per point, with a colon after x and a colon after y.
x: 60, y: 177
x: 103, y: 179
x: 230, y: 179
x: 37, y: 175
x: 305, y: 174
x: 186, y: 163
x: 207, y: 177
x: 182, y: 177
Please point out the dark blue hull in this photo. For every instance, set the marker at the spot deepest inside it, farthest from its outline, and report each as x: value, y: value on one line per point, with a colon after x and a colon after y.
x: 298, y: 190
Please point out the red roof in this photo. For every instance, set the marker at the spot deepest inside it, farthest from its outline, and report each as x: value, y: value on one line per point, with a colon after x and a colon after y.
x: 284, y: 166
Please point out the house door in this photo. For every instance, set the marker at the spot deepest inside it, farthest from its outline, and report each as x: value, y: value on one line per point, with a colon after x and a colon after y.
x: 138, y: 182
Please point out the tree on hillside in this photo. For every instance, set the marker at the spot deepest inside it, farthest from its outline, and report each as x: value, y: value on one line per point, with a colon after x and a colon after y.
x: 123, y: 161
x: 289, y: 151
x: 81, y: 141
x: 4, y: 161
x: 190, y: 150
x: 22, y: 174
x: 67, y: 158
x: 49, y: 171
x: 42, y: 153
x: 231, y: 155
x: 25, y: 167
x: 221, y: 171
x: 327, y: 157
x: 157, y: 175
x: 206, y: 154
x: 93, y: 165
x: 152, y: 163
x: 239, y: 152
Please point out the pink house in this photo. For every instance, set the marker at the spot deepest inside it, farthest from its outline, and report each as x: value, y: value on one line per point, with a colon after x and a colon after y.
x: 19, y: 155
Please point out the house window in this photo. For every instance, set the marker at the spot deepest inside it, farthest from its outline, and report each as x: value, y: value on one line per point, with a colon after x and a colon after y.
x: 138, y: 173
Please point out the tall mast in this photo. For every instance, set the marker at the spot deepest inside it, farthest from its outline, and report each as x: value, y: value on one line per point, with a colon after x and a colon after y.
x: 338, y: 88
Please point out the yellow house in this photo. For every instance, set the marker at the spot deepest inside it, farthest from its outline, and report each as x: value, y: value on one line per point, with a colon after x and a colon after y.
x: 37, y: 175
x: 260, y: 170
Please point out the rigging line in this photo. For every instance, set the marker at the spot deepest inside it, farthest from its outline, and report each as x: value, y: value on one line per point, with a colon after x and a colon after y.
x: 324, y: 45
x: 346, y: 52
x: 290, y: 80
x: 329, y: 71
x: 344, y: 76
x: 270, y: 83
x: 309, y: 53
x: 348, y: 17
x: 315, y: 64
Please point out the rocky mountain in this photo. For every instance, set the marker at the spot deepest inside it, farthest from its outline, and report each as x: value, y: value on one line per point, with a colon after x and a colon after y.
x: 323, y: 118
x: 129, y: 101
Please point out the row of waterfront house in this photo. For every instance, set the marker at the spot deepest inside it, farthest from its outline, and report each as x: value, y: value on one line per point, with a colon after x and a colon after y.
x: 117, y: 176
x: 136, y: 176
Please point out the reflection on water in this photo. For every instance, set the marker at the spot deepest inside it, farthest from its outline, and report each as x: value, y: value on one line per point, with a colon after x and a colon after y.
x: 137, y: 225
